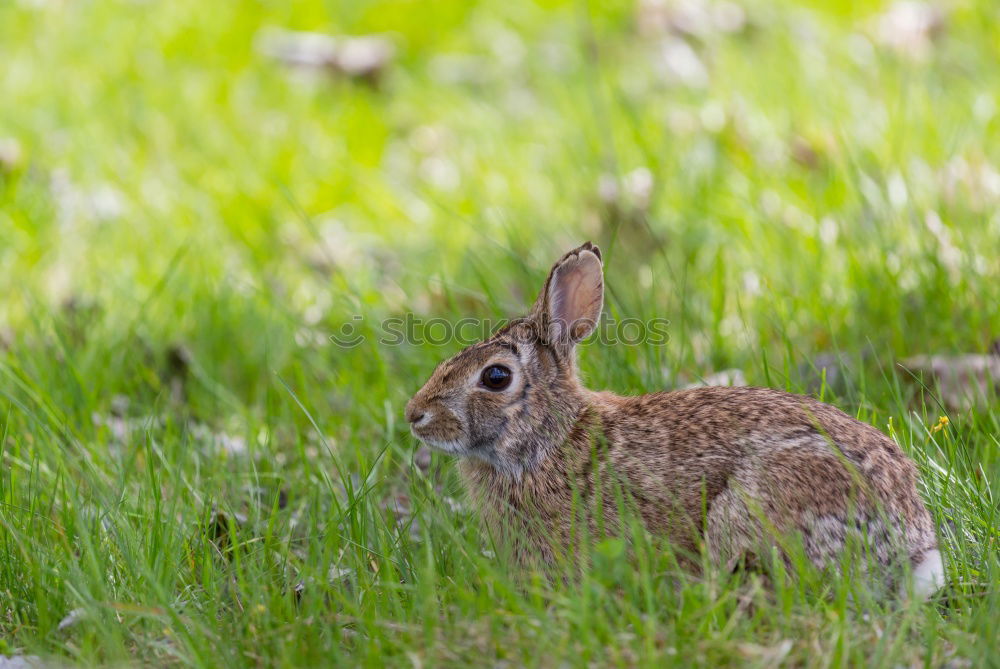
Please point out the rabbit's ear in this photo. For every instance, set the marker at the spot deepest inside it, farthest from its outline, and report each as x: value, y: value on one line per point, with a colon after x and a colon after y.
x: 570, y: 304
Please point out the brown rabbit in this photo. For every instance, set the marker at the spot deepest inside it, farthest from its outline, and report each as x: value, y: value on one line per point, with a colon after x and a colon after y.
x: 735, y: 468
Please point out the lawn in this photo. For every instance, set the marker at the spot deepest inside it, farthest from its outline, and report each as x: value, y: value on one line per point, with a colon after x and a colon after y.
x: 194, y: 472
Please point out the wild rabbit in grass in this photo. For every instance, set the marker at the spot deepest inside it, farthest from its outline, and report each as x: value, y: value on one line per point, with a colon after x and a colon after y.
x: 730, y: 469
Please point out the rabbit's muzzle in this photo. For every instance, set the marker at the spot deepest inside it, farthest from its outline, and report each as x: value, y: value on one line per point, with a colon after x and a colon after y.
x: 435, y: 424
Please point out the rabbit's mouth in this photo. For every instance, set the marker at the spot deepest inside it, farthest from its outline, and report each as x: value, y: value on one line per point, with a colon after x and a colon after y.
x: 438, y: 428
x: 430, y: 433
x: 449, y: 446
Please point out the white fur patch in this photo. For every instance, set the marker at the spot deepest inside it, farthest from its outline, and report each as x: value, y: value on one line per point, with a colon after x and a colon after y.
x: 450, y: 446
x: 928, y: 576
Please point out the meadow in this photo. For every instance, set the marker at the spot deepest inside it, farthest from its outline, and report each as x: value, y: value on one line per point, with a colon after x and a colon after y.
x: 194, y: 472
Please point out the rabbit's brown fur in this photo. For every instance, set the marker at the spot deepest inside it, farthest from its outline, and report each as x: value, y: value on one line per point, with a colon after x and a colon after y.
x: 735, y: 468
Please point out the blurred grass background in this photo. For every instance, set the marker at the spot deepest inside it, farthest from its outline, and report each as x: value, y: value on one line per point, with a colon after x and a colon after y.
x: 184, y: 222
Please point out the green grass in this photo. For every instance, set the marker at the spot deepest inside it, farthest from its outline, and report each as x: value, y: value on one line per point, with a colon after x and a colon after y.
x: 188, y: 223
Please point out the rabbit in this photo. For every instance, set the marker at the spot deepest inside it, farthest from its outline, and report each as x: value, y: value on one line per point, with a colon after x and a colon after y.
x: 727, y: 469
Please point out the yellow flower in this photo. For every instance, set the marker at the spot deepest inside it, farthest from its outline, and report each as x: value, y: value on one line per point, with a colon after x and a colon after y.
x: 941, y: 424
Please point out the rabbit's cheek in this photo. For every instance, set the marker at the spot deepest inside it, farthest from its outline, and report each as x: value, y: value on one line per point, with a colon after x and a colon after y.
x: 487, y: 421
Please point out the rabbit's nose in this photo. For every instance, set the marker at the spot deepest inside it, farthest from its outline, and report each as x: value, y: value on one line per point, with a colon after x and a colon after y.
x: 414, y: 414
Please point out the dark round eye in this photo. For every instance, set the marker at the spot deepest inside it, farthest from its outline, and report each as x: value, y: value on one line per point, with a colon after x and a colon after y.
x: 497, y: 377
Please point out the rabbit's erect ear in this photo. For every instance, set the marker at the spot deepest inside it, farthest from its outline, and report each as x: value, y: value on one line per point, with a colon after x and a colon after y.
x: 570, y: 304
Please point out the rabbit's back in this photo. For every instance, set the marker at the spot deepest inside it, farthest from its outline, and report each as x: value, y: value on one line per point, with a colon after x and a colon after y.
x: 724, y: 460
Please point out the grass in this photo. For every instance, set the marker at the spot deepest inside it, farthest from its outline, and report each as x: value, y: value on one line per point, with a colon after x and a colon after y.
x: 201, y: 477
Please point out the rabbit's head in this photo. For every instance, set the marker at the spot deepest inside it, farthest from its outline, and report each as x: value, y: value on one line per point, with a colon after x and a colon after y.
x: 508, y: 399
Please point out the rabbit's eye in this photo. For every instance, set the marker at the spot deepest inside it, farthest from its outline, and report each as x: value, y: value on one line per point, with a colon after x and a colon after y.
x: 496, y: 377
